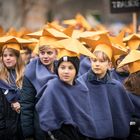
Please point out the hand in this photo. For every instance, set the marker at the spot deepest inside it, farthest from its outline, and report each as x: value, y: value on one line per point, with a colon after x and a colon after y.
x: 16, y: 106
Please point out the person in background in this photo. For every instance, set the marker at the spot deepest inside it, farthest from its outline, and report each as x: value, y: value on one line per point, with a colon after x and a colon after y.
x: 84, y: 65
x: 122, y: 73
x: 11, y: 78
x: 26, y: 55
x: 111, y: 106
x: 64, y: 107
x: 37, y: 73
x: 131, y: 84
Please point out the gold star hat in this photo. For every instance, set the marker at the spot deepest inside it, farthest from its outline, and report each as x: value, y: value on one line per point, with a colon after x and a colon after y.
x: 13, y: 42
x: 105, y: 45
x: 133, y: 41
x: 51, y: 32
x: 2, y: 32
x: 71, y: 47
x: 47, y: 36
x: 78, y: 22
x: 132, y: 60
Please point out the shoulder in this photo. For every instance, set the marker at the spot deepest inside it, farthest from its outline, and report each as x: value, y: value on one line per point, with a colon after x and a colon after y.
x: 83, y: 79
x: 32, y: 63
x: 51, y: 86
x: 116, y: 82
x: 30, y: 68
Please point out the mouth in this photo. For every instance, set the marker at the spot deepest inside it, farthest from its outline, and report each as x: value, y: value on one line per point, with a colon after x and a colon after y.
x: 8, y: 63
x: 65, y: 77
x: 46, y: 61
x: 97, y: 69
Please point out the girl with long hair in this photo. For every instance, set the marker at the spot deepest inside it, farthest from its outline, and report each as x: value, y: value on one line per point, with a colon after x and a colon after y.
x: 11, y: 75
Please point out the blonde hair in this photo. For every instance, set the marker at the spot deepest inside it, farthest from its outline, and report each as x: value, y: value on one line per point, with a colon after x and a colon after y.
x: 19, y: 69
x: 104, y: 56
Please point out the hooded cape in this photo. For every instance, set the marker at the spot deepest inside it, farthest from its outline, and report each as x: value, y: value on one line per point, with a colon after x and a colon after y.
x: 85, y: 65
x: 119, y: 76
x: 10, y: 91
x: 111, y: 105
x: 65, y: 104
x: 38, y: 74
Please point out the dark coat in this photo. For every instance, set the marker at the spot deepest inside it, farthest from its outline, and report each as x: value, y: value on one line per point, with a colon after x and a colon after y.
x: 36, y: 75
x: 29, y: 117
x: 9, y: 120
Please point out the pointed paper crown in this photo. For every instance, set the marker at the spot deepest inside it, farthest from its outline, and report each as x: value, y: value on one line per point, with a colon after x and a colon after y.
x: 71, y: 46
x: 133, y: 41
x: 133, y: 60
x: 105, y: 45
x: 13, y: 42
x: 79, y: 20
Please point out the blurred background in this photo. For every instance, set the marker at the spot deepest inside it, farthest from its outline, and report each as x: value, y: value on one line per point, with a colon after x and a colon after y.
x: 33, y: 14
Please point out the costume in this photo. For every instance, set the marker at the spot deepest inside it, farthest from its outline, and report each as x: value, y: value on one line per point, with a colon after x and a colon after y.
x: 120, y: 76
x: 36, y: 75
x: 111, y: 105
x: 85, y: 65
x: 64, y: 104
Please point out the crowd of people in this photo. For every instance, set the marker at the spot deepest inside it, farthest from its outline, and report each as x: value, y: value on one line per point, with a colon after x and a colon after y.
x: 70, y: 83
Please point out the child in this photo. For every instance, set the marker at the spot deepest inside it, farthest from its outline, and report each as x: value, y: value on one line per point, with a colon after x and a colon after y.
x: 64, y: 108
x: 121, y: 73
x: 11, y: 76
x: 132, y: 85
x: 37, y: 73
x: 111, y: 105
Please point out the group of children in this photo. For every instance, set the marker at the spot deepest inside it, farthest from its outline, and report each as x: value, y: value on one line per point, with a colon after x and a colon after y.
x: 56, y: 97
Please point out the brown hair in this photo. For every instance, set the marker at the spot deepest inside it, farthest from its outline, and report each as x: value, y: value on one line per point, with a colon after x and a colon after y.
x: 104, y: 56
x: 42, y: 47
x: 132, y: 83
x: 4, y: 74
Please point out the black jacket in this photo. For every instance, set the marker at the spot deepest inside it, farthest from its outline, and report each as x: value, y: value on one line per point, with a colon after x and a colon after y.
x: 29, y: 117
x: 9, y: 120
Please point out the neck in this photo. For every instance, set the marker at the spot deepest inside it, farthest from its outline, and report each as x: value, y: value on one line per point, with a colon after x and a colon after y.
x: 100, y: 76
x: 50, y: 67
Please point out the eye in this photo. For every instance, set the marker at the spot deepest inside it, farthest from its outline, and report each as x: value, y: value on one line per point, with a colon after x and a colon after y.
x: 11, y: 55
x: 94, y: 60
x: 62, y: 67
x: 4, y: 55
x: 49, y: 52
x: 42, y: 52
x: 102, y: 61
x: 71, y: 67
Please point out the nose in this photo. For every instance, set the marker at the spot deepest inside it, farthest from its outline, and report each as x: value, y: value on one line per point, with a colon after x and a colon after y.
x: 66, y: 70
x: 7, y: 57
x: 97, y: 63
x: 46, y: 56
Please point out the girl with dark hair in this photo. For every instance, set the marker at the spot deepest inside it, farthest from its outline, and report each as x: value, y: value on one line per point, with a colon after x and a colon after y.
x: 64, y: 108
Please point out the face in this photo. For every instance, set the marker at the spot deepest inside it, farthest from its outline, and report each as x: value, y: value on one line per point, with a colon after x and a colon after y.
x: 47, y: 56
x: 26, y: 57
x: 9, y: 59
x: 67, y: 72
x: 100, y: 66
x: 124, y: 68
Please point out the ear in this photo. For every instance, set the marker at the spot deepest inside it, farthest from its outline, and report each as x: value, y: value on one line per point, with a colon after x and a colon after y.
x: 110, y: 65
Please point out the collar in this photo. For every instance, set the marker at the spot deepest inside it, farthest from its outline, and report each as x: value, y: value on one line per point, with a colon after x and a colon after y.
x: 94, y: 79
